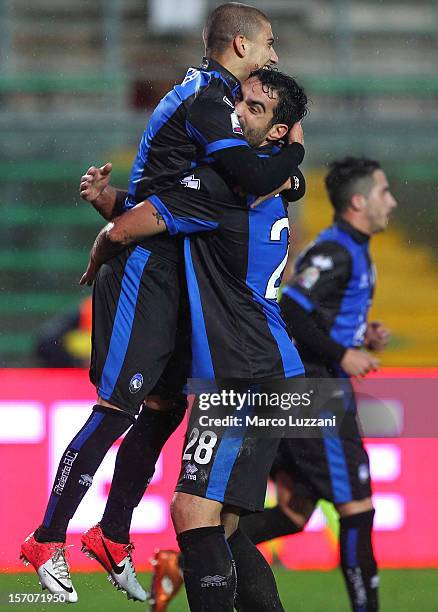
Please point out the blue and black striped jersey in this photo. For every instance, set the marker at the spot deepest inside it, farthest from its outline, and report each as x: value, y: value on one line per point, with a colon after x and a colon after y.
x: 233, y: 274
x: 192, y: 121
x: 334, y: 282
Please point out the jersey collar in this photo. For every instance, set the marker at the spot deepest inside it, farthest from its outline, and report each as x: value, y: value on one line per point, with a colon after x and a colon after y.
x: 358, y: 236
x: 213, y: 66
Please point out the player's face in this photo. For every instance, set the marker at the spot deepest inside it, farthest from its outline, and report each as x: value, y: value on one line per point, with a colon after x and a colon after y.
x: 380, y: 203
x: 260, y: 49
x: 256, y: 110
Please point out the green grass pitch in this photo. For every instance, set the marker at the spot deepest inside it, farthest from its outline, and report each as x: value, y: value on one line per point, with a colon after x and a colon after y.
x: 401, y: 591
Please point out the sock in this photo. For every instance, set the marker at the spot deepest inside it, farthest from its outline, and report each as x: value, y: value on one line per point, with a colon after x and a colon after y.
x: 358, y: 562
x: 77, y: 467
x: 209, y: 572
x: 267, y: 525
x: 135, y: 466
x: 256, y: 587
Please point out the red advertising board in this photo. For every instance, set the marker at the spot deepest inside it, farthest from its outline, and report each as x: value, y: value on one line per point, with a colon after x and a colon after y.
x: 41, y: 410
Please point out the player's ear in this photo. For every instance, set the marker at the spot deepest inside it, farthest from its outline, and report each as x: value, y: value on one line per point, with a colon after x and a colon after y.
x: 277, y: 131
x: 240, y: 44
x: 357, y: 202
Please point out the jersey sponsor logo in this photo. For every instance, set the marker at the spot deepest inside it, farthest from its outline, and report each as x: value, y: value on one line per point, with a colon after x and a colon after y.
x: 355, y: 578
x: 322, y: 262
x: 235, y: 124
x: 68, y: 461
x: 191, y: 182
x: 136, y: 383
x: 227, y: 101
x: 308, y: 277
x: 213, y: 581
x: 86, y: 480
x: 296, y: 181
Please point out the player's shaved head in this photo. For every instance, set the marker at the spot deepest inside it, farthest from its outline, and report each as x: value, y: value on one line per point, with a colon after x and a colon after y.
x: 228, y: 21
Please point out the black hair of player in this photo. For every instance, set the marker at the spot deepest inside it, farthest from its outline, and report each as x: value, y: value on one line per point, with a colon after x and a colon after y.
x: 228, y: 21
x: 292, y: 99
x: 347, y: 177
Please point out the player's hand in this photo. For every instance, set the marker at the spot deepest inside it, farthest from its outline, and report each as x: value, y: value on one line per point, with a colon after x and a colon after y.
x: 296, y: 133
x: 358, y: 363
x: 90, y: 273
x: 377, y: 336
x: 94, y: 182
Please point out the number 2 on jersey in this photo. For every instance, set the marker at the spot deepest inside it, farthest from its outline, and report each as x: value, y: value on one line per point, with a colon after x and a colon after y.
x: 276, y: 229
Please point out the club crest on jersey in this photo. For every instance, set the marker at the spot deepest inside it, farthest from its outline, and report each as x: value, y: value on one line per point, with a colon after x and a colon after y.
x: 235, y: 123
x: 136, y: 383
x: 308, y: 277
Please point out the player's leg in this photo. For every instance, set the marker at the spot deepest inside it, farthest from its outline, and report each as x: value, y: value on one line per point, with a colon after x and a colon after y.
x: 230, y: 466
x: 356, y: 552
x: 351, y: 487
x: 115, y: 298
x: 151, y: 341
x: 161, y: 414
x: 45, y: 549
x: 295, y: 504
x: 209, y: 571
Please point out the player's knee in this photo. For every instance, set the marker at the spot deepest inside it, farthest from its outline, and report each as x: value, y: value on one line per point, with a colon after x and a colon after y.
x: 192, y: 512
x: 355, y: 507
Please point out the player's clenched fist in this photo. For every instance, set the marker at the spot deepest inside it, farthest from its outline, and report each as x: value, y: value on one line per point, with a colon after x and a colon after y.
x: 94, y: 182
x: 358, y: 363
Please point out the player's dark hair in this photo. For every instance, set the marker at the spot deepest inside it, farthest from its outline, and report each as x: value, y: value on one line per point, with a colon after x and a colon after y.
x: 349, y: 176
x: 228, y: 21
x: 292, y: 99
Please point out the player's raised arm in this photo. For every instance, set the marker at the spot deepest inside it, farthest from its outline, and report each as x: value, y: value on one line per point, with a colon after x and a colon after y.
x: 139, y: 222
x: 95, y: 188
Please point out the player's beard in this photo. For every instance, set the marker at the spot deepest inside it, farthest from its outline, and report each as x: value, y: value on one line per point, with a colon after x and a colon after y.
x: 254, y: 137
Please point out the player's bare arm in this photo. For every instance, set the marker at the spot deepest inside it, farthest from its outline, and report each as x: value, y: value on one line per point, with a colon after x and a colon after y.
x: 95, y: 188
x: 139, y: 222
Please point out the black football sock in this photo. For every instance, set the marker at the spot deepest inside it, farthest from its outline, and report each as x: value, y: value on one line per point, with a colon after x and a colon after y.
x: 77, y: 467
x: 256, y: 587
x: 209, y: 572
x: 358, y: 562
x: 267, y: 525
x: 135, y: 466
